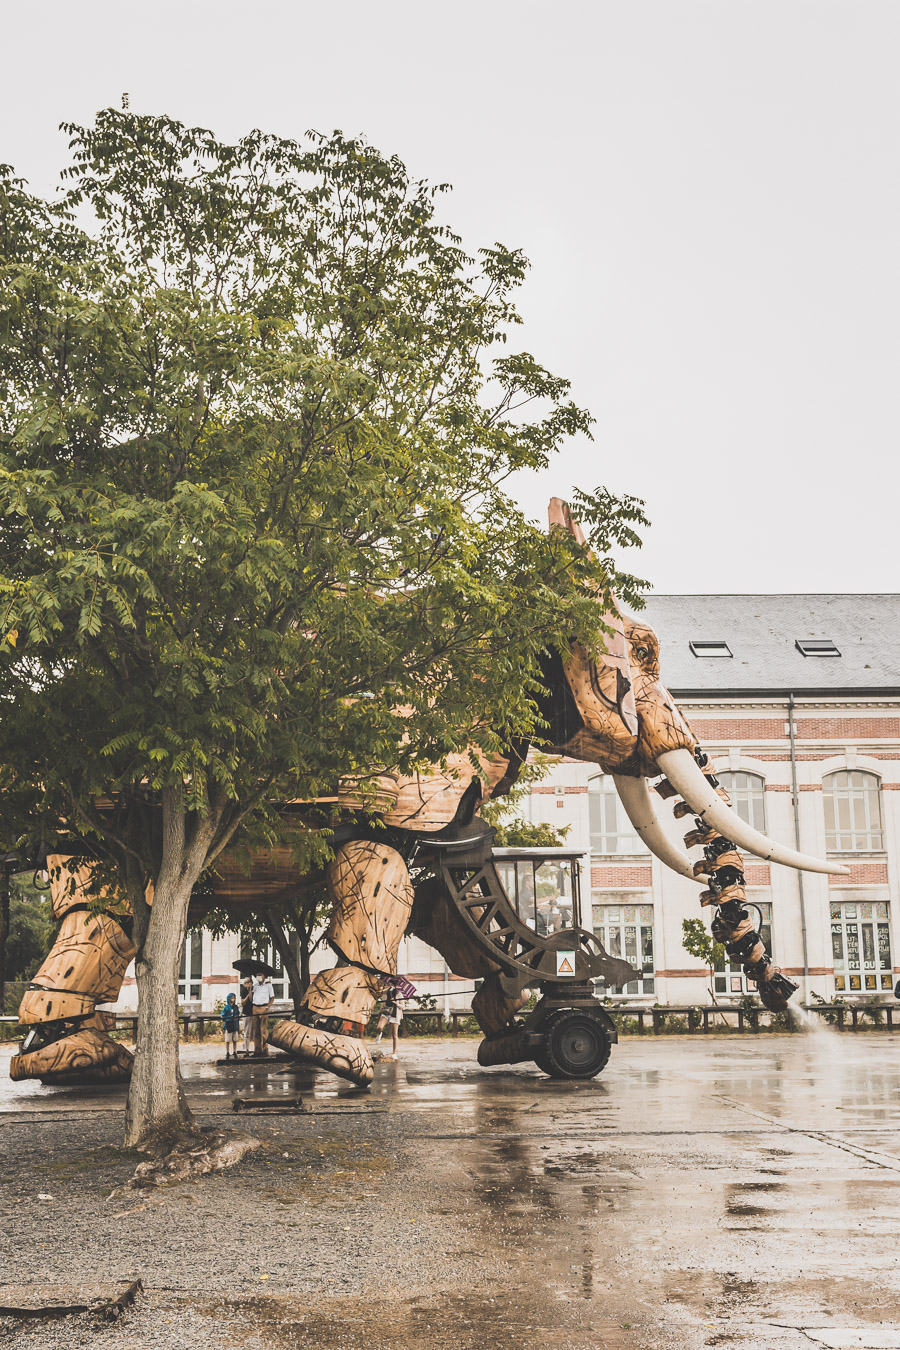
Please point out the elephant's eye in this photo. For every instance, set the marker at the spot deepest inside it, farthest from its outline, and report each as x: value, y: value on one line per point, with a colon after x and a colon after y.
x: 641, y: 653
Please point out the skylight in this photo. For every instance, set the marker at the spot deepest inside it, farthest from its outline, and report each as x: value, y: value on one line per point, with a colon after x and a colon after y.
x: 816, y: 647
x: 710, y: 648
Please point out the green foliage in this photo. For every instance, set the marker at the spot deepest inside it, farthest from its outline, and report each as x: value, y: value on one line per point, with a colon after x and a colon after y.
x: 31, y: 930
x: 296, y: 925
x: 833, y: 1016
x: 255, y: 422
x: 698, y: 942
x: 512, y: 830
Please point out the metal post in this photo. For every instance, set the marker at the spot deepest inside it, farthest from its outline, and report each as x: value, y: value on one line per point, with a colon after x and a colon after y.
x: 795, y: 795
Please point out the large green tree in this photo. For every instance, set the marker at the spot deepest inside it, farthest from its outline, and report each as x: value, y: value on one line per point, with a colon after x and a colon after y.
x: 256, y: 414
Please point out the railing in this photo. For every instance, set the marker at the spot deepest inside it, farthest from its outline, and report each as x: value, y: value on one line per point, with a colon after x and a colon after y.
x: 703, y: 1020
x: 717, y: 1017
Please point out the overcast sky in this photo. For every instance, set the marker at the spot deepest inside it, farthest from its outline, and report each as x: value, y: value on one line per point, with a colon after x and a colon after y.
x: 707, y: 190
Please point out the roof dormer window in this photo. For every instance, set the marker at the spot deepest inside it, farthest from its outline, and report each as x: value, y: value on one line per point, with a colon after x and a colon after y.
x: 710, y: 648
x: 816, y: 647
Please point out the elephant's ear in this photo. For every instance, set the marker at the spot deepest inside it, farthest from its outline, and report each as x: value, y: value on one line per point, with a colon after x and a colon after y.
x: 561, y: 518
x: 609, y: 672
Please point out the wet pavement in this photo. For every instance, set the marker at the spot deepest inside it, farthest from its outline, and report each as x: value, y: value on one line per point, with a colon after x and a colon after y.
x: 734, y: 1192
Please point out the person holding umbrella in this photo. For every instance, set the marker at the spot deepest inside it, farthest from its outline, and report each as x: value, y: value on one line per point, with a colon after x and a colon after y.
x: 247, y: 1011
x: 263, y: 998
x: 257, y: 1001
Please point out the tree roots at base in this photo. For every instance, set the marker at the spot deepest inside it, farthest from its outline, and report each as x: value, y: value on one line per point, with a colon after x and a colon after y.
x: 187, y: 1154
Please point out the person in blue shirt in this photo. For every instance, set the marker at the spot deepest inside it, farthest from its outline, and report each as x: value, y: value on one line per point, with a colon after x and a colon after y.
x: 231, y: 1025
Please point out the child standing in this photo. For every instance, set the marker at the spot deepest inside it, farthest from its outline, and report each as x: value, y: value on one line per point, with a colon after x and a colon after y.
x: 391, y: 1015
x: 231, y: 1025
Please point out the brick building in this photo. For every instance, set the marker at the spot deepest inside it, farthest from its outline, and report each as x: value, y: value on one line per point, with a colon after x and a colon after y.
x: 784, y: 692
x: 780, y: 689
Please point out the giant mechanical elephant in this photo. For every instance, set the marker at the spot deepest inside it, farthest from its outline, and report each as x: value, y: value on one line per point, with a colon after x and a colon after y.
x: 607, y: 707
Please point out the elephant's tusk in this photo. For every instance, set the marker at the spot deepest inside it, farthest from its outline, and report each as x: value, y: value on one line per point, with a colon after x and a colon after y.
x: 634, y: 795
x: 687, y: 777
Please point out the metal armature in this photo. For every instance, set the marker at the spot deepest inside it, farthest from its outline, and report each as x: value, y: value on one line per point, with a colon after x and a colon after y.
x: 372, y: 895
x: 723, y: 866
x: 66, y: 1034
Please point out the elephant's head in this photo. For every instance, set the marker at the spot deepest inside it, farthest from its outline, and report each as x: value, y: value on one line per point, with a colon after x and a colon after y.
x: 609, y: 706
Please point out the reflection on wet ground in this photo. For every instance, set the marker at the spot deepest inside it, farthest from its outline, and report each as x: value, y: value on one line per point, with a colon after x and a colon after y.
x: 739, y: 1193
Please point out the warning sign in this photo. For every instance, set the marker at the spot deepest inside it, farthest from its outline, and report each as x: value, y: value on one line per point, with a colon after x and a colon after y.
x: 565, y: 963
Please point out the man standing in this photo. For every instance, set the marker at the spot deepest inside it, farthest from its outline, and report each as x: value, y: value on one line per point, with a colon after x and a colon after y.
x: 263, y: 998
x: 247, y: 1011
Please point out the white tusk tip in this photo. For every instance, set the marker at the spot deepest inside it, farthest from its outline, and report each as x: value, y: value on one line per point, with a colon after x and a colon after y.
x: 688, y: 779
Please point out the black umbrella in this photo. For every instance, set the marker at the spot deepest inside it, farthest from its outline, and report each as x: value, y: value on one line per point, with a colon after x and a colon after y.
x: 250, y: 965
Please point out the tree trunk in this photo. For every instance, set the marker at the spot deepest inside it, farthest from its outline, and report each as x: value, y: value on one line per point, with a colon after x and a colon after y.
x: 282, y: 945
x: 305, y: 976
x: 157, y: 1113
x: 156, y: 1105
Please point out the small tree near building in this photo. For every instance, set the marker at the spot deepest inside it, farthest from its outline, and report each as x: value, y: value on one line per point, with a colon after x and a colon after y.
x: 30, y: 933
x: 699, y: 943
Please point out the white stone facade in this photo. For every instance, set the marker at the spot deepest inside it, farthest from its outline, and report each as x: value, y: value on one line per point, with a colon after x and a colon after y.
x: 832, y: 737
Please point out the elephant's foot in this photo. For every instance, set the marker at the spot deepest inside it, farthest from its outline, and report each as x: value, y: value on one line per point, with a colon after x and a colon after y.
x: 508, y: 1046
x: 495, y: 1009
x: 86, y: 1055
x: 343, y: 1055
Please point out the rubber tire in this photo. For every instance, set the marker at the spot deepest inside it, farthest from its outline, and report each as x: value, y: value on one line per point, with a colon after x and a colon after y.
x: 558, y: 1060
x: 543, y: 1063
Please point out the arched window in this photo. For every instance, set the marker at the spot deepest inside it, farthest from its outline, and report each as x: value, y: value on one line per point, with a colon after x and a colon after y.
x: 748, y: 796
x: 611, y: 830
x: 853, y: 812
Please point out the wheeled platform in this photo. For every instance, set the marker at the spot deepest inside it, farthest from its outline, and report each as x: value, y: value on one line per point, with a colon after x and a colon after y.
x: 569, y: 1034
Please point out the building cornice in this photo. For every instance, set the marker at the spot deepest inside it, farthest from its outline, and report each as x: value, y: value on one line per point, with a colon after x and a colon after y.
x: 749, y: 702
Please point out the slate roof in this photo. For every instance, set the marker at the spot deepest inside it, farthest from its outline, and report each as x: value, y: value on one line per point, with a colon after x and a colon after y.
x: 761, y: 631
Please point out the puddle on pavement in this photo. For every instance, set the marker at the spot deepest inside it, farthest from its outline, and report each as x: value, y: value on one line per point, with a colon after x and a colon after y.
x: 501, y: 1319
x: 745, y: 1303
x: 561, y: 1196
x: 746, y: 1199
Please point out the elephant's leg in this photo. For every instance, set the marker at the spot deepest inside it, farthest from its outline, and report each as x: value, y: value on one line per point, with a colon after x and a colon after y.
x: 372, y: 894
x: 443, y: 929
x: 66, y: 1036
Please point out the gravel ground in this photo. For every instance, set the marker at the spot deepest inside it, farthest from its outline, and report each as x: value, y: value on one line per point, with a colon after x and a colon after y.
x: 696, y: 1195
